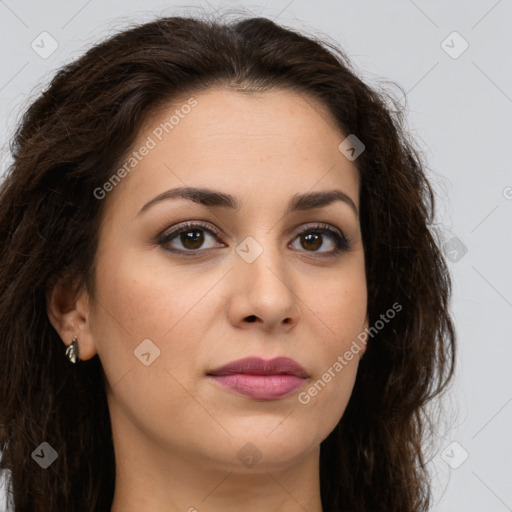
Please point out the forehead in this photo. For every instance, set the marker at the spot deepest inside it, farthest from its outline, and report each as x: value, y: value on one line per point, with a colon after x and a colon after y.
x: 258, y: 146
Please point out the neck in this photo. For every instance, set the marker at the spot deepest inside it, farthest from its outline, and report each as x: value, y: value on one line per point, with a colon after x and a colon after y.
x: 153, y: 478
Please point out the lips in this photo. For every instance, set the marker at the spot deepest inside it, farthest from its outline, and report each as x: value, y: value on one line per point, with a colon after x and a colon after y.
x: 259, y: 378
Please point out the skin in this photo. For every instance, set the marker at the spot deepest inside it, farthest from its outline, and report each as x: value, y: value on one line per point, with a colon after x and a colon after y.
x: 176, y: 433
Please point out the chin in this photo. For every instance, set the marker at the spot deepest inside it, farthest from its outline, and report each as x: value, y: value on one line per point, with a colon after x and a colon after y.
x: 267, y: 449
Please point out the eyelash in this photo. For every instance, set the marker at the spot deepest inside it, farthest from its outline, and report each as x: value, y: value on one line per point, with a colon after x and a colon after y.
x: 343, y: 243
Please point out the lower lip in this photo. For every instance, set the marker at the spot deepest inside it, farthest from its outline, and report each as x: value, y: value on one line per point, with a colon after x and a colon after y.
x: 262, y: 387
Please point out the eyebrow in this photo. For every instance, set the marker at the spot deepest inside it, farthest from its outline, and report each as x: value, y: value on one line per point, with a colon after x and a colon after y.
x: 214, y: 198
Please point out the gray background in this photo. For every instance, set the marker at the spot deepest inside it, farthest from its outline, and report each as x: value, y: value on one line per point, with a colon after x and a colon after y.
x: 459, y: 109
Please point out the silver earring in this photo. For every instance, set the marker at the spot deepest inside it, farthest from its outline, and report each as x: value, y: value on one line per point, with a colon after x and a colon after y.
x: 72, y: 351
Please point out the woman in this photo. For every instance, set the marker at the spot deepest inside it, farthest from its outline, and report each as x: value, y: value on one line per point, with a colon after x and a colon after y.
x: 205, y: 227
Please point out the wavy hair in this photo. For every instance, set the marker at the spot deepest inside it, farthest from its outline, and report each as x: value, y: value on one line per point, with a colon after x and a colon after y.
x: 69, y: 141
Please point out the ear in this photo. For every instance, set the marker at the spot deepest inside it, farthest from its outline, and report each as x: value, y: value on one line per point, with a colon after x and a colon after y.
x: 69, y: 312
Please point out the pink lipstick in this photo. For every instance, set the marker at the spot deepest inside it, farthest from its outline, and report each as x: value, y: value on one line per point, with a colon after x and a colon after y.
x: 259, y: 378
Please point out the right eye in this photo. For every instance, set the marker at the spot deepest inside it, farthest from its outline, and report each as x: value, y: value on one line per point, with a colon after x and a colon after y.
x: 190, y: 236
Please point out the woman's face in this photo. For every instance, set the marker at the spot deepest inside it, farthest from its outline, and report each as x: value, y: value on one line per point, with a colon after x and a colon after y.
x: 241, y: 282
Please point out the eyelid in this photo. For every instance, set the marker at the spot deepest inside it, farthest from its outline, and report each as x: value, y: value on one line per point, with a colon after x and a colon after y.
x: 343, y: 244
x: 189, y: 225
x: 208, y: 226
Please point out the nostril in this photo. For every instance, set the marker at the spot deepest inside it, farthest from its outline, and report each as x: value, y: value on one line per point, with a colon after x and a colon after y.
x: 251, y: 318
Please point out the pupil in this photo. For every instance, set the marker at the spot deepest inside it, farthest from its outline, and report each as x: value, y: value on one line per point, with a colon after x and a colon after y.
x: 194, y: 237
x: 313, y: 238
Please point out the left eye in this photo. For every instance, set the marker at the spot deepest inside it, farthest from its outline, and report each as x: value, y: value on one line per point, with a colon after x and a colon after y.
x: 313, y: 239
x: 192, y: 238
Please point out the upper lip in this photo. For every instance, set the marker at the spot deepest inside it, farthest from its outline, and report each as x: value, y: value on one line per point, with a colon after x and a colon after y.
x: 259, y: 366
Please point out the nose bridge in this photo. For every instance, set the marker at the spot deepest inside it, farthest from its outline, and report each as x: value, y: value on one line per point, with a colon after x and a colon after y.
x: 263, y: 281
x: 263, y: 263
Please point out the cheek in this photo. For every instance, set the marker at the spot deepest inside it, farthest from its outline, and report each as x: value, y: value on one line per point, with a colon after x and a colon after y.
x: 341, y: 306
x: 144, y: 299
x: 142, y: 318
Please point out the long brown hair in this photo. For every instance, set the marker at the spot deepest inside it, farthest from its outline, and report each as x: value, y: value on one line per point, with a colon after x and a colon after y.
x: 68, y: 144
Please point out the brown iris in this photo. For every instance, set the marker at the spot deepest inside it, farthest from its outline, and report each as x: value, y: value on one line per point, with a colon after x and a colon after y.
x: 315, y: 238
x: 193, y: 236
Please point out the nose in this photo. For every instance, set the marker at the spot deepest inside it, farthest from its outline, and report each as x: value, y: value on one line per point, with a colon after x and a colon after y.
x: 264, y: 293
